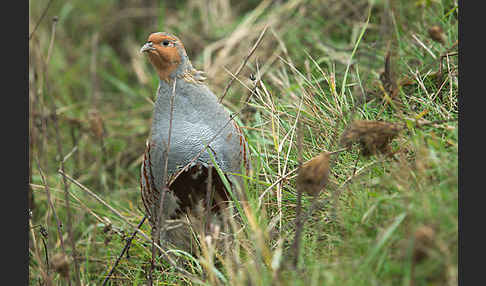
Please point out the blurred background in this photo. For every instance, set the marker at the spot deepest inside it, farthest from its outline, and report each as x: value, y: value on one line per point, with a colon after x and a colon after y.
x: 103, y: 86
x: 91, y: 95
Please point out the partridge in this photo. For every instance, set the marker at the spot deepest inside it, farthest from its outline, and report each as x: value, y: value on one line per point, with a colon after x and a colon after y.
x: 198, y: 125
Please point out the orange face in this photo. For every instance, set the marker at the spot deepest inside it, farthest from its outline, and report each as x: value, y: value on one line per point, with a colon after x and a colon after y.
x: 163, y: 52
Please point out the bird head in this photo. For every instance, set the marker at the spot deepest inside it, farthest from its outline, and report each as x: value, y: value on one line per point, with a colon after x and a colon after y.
x: 167, y: 54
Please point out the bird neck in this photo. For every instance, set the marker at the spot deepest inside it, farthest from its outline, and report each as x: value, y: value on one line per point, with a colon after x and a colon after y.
x: 169, y: 71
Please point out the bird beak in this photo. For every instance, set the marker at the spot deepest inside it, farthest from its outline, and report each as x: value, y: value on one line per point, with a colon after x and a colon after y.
x: 147, y: 47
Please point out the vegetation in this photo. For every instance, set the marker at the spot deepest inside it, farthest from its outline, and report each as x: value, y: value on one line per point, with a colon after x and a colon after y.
x: 388, y: 214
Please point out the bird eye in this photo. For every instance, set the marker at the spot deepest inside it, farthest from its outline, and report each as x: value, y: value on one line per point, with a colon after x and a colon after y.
x: 165, y: 43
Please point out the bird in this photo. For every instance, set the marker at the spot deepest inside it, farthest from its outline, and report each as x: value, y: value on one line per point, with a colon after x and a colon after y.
x: 190, y: 130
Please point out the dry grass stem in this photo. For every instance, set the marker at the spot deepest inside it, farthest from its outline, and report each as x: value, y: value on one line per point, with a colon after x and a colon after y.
x: 61, y: 156
x: 387, y: 77
x: 160, y: 215
x: 40, y: 19
x: 305, y: 78
x: 125, y: 249
x: 253, y: 49
x: 424, y: 46
x: 95, y: 196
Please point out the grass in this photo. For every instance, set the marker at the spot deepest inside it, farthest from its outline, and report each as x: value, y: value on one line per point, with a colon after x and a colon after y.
x: 381, y: 220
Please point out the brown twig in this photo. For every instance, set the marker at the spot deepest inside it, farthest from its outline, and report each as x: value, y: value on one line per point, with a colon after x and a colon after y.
x: 35, y: 248
x: 159, y: 217
x: 425, y: 123
x: 82, y: 187
x: 74, y: 138
x: 125, y: 249
x: 253, y: 49
x: 49, y: 200
x: 298, y: 212
x: 284, y: 177
x: 422, y: 122
x: 68, y: 206
x: 40, y: 19
x: 446, y: 55
x: 94, y: 115
x: 44, y: 235
x: 61, y: 156
x: 85, y: 189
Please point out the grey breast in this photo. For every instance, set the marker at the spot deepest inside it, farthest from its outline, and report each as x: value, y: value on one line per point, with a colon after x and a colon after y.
x: 197, y: 118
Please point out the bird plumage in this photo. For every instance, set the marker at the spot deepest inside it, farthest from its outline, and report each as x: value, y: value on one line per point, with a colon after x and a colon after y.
x: 199, y: 125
